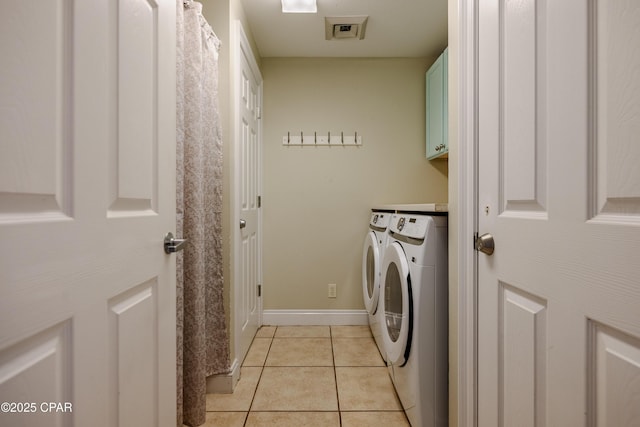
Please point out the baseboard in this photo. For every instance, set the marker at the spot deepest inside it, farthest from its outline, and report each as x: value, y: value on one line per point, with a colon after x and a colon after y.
x: 224, y: 383
x: 314, y: 317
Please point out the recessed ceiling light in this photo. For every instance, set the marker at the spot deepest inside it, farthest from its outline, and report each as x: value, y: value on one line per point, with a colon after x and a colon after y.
x: 299, y: 6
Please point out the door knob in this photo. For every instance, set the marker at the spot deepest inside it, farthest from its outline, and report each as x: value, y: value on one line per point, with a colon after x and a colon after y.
x: 243, y: 223
x: 172, y: 245
x: 485, y: 244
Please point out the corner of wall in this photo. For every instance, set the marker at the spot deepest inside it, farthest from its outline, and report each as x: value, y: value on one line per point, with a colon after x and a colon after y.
x: 453, y: 210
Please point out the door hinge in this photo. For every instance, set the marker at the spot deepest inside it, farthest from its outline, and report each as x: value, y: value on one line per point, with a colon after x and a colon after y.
x: 259, y: 201
x: 259, y: 290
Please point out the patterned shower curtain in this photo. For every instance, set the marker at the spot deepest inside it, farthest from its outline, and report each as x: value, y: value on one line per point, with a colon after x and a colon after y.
x: 203, y: 344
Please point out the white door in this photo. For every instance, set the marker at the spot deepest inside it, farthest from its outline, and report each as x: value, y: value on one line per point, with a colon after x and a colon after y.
x: 248, y: 164
x: 559, y: 190
x: 87, y: 191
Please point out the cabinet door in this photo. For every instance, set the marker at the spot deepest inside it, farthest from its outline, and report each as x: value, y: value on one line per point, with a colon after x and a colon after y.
x: 437, y: 118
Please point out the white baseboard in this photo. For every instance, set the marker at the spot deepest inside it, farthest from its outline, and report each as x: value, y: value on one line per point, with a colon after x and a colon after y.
x: 224, y: 383
x: 314, y: 317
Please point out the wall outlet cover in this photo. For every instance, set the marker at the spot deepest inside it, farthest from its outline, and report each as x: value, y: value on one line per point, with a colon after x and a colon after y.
x: 333, y: 291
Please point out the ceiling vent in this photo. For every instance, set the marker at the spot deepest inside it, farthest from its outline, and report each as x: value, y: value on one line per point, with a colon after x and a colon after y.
x: 344, y: 27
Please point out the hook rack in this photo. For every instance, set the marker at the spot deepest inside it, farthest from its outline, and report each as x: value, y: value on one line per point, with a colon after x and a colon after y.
x: 322, y: 140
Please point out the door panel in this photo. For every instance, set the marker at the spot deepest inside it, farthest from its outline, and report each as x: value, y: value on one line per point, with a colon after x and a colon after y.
x: 615, y: 82
x: 615, y: 361
x: 136, y: 39
x: 87, y: 192
x: 522, y: 326
x: 35, y: 183
x: 133, y: 336
x: 558, y: 190
x: 43, y: 359
x: 522, y: 135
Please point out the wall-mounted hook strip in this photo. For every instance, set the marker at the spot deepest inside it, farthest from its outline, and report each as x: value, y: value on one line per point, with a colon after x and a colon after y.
x: 321, y: 140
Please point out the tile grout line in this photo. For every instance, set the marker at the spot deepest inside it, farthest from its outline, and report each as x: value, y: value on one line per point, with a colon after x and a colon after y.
x: 264, y: 363
x: 335, y: 376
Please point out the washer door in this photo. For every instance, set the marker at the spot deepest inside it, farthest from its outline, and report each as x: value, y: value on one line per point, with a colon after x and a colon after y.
x: 371, y: 272
x: 397, y: 304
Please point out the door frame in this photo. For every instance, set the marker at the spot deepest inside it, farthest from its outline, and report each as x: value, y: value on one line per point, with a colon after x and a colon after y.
x: 467, y: 221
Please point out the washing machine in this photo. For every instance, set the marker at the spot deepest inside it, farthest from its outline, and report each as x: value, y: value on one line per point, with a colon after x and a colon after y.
x: 414, y: 298
x: 372, y: 254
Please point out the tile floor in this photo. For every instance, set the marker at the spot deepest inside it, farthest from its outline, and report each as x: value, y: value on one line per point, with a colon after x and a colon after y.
x: 324, y: 376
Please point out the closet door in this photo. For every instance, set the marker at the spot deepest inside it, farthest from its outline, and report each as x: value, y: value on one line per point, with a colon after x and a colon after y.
x: 87, y: 193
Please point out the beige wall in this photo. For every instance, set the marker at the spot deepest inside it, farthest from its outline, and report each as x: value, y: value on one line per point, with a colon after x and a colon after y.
x: 317, y: 200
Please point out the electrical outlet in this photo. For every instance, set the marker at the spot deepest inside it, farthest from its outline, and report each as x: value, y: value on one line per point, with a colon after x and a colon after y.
x: 333, y: 291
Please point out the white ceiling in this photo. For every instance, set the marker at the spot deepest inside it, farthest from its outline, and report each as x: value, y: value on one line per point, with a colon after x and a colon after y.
x: 396, y: 28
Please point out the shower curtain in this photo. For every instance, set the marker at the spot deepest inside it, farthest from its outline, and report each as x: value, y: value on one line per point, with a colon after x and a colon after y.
x: 202, y: 338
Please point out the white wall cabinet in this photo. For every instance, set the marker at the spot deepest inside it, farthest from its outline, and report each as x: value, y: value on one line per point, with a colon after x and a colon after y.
x: 437, y: 107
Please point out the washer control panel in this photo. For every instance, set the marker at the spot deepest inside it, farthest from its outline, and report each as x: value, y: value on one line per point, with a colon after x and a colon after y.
x: 380, y: 220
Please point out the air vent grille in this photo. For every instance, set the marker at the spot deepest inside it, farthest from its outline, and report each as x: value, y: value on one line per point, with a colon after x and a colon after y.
x: 345, y: 27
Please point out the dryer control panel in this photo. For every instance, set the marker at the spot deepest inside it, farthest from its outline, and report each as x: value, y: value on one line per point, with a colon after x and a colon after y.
x: 412, y: 226
x: 380, y: 220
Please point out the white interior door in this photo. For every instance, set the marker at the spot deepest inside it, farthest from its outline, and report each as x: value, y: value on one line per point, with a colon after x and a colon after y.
x: 87, y: 192
x: 559, y: 190
x: 248, y: 260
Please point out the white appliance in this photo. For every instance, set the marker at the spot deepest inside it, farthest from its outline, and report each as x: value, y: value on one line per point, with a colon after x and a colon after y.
x: 372, y: 254
x: 414, y: 286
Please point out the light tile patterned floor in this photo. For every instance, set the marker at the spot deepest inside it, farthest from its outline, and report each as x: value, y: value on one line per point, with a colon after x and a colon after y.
x: 316, y: 376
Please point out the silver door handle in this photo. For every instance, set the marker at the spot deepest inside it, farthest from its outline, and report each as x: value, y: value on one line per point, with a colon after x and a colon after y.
x: 243, y: 223
x: 485, y: 244
x: 172, y: 245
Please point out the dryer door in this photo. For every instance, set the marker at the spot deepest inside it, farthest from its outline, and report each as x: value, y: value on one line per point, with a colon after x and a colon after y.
x: 397, y: 304
x: 371, y: 272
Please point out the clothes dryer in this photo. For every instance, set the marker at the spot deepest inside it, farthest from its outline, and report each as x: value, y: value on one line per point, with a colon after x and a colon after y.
x: 373, y: 251
x: 414, y: 305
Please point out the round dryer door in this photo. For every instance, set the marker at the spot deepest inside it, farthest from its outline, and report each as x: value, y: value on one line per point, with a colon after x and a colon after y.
x: 371, y: 272
x: 397, y: 304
